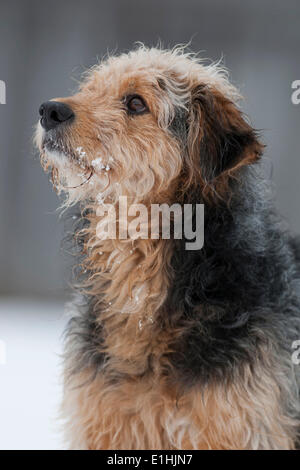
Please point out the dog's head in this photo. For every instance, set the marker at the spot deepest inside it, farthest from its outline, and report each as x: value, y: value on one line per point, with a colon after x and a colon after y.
x: 151, y: 125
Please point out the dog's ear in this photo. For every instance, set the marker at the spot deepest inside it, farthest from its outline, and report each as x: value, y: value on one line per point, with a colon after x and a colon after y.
x: 219, y: 140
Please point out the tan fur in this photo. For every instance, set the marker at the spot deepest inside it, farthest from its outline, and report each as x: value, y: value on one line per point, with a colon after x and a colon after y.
x: 130, y: 279
x: 145, y: 413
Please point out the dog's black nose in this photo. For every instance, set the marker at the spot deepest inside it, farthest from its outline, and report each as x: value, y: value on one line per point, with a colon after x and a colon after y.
x: 54, y: 113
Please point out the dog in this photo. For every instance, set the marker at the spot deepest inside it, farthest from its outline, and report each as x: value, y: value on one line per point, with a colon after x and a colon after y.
x: 169, y: 348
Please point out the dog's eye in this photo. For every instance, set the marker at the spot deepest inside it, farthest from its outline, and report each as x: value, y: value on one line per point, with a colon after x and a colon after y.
x: 135, y: 104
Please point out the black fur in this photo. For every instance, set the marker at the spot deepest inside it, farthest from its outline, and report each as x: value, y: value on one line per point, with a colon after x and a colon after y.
x: 240, y: 290
x: 85, y: 339
x: 179, y: 125
x: 222, y: 141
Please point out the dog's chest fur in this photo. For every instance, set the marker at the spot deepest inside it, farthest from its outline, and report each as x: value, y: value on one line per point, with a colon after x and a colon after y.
x: 189, y: 365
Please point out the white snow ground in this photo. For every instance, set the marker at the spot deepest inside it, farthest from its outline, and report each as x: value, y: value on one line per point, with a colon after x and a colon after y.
x: 30, y: 374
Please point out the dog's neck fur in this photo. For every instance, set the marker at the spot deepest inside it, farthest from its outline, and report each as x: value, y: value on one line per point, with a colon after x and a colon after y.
x: 127, y: 284
x: 134, y: 294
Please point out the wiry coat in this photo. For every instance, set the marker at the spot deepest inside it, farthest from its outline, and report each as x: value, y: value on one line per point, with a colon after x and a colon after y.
x: 173, y: 348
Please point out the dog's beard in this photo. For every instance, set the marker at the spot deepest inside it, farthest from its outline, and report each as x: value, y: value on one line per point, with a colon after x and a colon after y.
x: 70, y: 170
x: 57, y: 148
x: 67, y: 172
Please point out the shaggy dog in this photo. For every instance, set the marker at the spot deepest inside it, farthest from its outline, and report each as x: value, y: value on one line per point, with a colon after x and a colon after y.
x: 169, y: 348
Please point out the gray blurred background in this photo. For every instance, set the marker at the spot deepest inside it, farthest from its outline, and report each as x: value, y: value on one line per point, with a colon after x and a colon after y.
x: 45, y: 45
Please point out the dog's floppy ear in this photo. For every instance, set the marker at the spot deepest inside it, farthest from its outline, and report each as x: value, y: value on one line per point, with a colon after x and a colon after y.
x: 219, y: 139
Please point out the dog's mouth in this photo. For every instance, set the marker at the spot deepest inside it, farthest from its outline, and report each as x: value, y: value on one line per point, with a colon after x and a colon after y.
x: 56, y: 147
x: 72, y: 166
